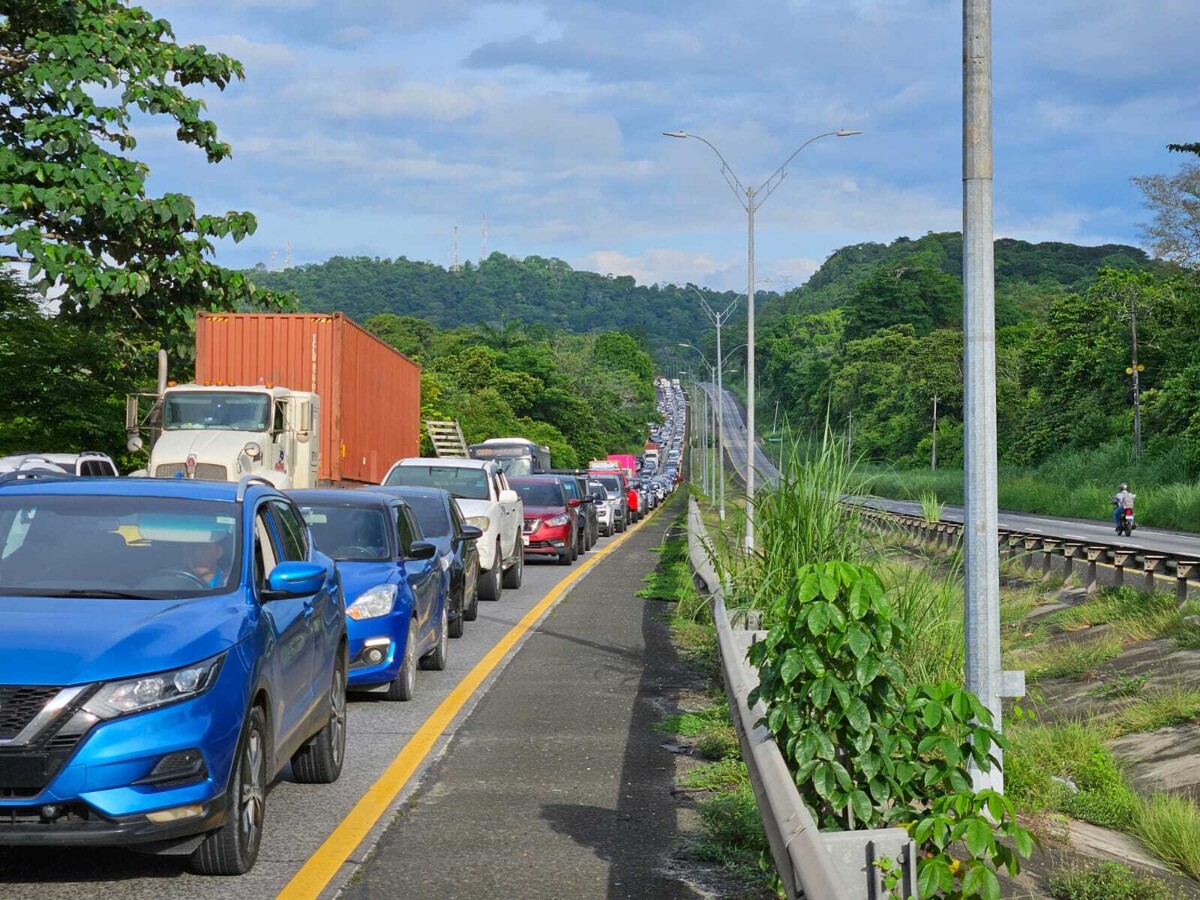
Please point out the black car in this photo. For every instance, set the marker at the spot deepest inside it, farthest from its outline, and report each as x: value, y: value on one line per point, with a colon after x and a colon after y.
x: 576, y: 485
x: 442, y: 523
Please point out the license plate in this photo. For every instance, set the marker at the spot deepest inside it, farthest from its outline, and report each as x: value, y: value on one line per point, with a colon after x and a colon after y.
x: 22, y: 772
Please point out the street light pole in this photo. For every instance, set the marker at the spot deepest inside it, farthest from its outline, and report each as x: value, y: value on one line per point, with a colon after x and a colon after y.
x: 751, y: 199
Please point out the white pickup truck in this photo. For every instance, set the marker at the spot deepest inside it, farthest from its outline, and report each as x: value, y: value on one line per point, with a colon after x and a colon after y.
x: 487, y: 501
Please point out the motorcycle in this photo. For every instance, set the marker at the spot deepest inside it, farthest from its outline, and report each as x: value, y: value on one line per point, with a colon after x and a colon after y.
x: 1125, y: 523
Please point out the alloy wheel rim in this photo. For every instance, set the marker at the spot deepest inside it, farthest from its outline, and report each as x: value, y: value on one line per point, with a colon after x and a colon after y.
x: 338, y: 702
x: 410, y: 674
x: 253, y: 793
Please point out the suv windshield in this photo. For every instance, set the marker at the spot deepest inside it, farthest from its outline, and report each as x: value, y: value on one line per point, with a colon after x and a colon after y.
x: 349, y: 533
x: 151, y: 548
x: 541, y: 493
x: 186, y: 410
x: 460, y: 481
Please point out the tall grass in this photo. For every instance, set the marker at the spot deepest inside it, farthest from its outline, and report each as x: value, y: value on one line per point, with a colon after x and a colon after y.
x: 800, y: 521
x: 930, y: 603
x: 931, y: 507
x: 1077, y: 484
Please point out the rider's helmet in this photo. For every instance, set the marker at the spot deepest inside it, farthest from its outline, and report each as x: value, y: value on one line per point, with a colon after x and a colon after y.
x: 1124, y: 487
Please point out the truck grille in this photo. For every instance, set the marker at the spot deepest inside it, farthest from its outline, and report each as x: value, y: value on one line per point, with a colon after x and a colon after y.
x: 204, y: 471
x: 19, y: 705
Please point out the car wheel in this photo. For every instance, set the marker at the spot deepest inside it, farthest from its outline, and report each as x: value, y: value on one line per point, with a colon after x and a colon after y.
x: 471, y: 610
x: 515, y: 575
x: 490, y: 584
x: 404, y: 687
x: 233, y: 848
x: 574, y: 549
x: 320, y: 760
x: 435, y: 659
x: 458, y: 623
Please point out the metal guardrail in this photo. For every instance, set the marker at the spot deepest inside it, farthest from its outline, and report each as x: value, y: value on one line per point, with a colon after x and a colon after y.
x: 1016, y: 544
x: 811, y: 864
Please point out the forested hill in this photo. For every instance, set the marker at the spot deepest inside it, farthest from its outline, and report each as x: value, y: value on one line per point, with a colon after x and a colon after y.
x: 1026, y: 274
x: 497, y: 291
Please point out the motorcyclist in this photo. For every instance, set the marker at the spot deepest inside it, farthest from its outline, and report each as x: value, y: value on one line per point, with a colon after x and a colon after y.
x: 1121, y: 502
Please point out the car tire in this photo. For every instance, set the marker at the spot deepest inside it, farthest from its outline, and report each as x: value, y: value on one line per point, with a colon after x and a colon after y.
x: 516, y: 573
x: 404, y: 686
x: 491, y: 582
x: 457, y: 625
x: 233, y: 848
x: 320, y: 760
x: 435, y: 659
x: 574, y: 549
x: 471, y: 610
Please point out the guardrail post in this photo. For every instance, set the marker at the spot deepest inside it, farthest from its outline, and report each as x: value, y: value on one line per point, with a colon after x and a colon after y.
x: 1093, y: 555
x: 1048, y: 548
x: 1120, y: 558
x: 1150, y: 564
x: 1070, y: 551
x: 1184, y: 569
x: 1031, y: 544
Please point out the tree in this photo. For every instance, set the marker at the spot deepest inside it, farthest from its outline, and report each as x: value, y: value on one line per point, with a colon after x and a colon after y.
x: 1174, y: 232
x: 73, y: 205
x: 1185, y: 148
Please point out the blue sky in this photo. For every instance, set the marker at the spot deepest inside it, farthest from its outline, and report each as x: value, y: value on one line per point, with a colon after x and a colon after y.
x: 374, y: 126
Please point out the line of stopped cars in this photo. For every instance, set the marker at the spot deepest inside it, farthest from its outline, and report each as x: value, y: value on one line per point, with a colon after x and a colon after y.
x: 170, y: 646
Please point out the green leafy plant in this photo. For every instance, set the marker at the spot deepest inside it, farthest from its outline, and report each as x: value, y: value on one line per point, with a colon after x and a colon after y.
x: 931, y: 507
x: 1106, y: 881
x: 869, y: 750
x: 1121, y: 686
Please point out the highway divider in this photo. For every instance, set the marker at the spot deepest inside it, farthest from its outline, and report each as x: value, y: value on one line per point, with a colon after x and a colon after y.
x: 811, y: 864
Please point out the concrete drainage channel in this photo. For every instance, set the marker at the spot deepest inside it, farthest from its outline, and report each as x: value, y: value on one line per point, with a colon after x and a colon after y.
x: 811, y: 864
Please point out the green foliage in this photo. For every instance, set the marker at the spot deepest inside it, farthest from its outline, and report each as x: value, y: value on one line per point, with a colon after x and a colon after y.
x: 502, y: 292
x: 1170, y: 826
x: 1105, y: 881
x: 581, y: 395
x: 867, y: 748
x: 73, y: 205
x: 63, y: 389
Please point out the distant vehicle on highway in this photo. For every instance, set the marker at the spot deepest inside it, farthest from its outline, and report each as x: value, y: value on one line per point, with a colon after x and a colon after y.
x: 617, y: 499
x: 304, y: 401
x: 550, y: 518
x: 88, y: 464
x: 489, y: 503
x: 157, y: 675
x: 442, y: 523
x: 588, y: 523
x: 516, y: 456
x: 397, y: 590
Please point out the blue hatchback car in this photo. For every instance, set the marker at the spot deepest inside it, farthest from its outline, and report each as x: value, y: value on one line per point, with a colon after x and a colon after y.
x: 397, y: 587
x: 165, y: 648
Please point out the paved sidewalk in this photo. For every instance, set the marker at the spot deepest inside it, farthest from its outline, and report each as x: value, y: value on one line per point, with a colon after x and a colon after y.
x: 557, y: 785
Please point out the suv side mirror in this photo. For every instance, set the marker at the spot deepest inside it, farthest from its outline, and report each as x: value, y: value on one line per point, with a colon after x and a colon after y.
x: 573, y: 502
x: 294, y: 579
x: 469, y: 533
x: 510, y: 496
x: 422, y: 550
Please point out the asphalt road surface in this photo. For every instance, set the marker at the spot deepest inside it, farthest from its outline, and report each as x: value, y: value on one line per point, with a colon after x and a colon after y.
x: 1173, y: 543
x: 299, y: 817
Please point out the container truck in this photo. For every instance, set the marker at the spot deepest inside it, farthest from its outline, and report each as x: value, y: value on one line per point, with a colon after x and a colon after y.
x: 303, y: 400
x: 626, y: 461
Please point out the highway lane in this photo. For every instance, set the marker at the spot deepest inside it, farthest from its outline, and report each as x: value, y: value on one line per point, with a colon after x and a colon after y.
x: 1154, y: 540
x: 299, y: 817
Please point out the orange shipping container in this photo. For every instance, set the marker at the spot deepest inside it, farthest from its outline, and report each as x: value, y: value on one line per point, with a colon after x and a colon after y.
x: 370, y: 394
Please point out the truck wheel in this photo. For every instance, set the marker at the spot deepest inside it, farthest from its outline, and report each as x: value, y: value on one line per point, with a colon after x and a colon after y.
x: 516, y: 574
x: 490, y: 582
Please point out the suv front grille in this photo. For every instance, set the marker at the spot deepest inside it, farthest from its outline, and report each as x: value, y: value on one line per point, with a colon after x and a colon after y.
x: 19, y: 705
x: 204, y: 471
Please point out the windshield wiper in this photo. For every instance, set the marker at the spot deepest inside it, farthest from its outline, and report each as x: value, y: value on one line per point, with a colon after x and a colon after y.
x: 98, y: 594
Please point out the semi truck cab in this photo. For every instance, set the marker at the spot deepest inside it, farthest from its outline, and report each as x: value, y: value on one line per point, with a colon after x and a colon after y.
x: 224, y: 432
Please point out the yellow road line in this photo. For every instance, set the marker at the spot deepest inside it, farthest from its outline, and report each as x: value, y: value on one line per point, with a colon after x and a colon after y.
x: 322, y: 866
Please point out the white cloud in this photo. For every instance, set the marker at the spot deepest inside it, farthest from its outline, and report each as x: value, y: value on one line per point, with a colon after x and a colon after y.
x: 252, y: 53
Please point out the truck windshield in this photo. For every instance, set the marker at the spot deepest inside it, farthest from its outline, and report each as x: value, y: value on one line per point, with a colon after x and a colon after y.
x: 462, y: 482
x: 141, y: 548
x: 220, y: 410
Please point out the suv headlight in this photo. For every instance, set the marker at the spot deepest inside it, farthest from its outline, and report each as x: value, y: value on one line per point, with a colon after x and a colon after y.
x: 373, y: 603
x: 120, y: 698
x: 483, y: 523
x: 557, y: 521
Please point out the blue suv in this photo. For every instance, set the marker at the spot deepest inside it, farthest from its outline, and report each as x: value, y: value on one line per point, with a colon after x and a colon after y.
x: 167, y: 646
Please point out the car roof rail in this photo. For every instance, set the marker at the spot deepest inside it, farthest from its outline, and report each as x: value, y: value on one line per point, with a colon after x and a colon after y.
x: 18, y: 476
x: 246, y: 481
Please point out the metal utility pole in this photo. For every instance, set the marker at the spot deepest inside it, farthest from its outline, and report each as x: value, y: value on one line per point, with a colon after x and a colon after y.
x: 933, y: 455
x: 980, y: 533
x: 1135, y: 370
x: 751, y: 199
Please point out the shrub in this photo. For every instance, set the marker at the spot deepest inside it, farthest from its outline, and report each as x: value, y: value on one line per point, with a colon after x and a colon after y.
x: 1106, y: 881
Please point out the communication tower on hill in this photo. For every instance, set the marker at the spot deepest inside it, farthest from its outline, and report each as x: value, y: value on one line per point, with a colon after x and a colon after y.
x: 483, y: 236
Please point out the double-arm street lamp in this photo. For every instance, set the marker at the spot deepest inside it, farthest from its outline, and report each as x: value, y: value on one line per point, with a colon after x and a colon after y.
x: 751, y: 199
